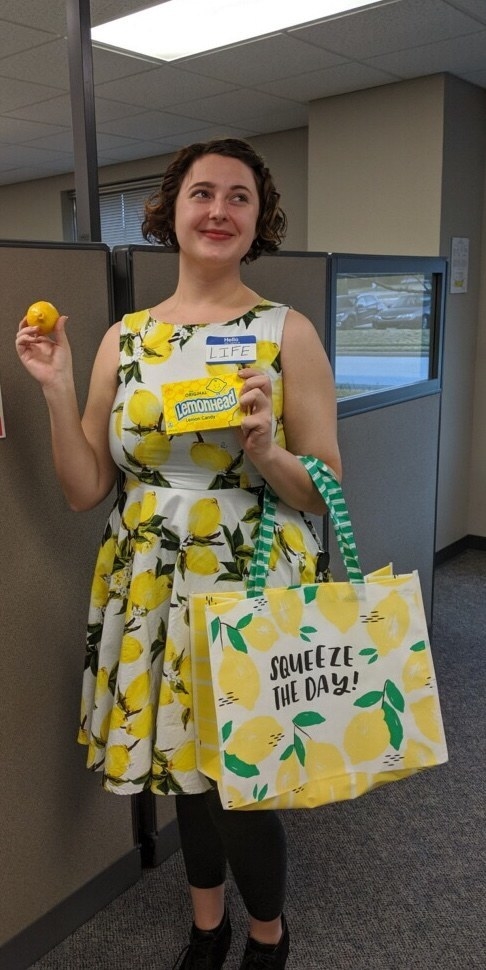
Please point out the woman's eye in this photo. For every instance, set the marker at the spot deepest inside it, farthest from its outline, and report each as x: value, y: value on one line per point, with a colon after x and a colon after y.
x: 240, y: 198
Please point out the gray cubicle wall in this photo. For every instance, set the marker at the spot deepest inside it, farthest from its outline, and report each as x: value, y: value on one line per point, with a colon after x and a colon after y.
x: 66, y: 846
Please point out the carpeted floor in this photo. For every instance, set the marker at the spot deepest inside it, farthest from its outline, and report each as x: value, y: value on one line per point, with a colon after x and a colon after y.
x: 395, y: 880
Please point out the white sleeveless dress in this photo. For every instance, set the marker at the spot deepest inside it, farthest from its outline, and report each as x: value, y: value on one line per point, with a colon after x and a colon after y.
x: 185, y: 521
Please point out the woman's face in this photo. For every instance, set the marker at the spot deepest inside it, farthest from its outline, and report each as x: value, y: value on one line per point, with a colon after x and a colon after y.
x: 216, y: 210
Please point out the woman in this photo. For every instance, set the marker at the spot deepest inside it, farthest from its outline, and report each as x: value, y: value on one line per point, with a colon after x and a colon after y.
x: 187, y: 515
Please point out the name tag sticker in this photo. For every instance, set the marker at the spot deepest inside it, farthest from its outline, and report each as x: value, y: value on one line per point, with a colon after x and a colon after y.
x: 201, y: 404
x: 231, y: 350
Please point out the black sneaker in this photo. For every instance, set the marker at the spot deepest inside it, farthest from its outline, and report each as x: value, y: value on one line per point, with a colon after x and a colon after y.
x: 262, y: 956
x: 206, y: 949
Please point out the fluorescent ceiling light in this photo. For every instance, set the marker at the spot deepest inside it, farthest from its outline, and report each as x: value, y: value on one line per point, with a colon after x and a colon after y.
x: 179, y: 28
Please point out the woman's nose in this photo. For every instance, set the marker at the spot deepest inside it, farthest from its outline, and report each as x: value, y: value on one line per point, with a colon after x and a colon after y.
x: 218, y: 208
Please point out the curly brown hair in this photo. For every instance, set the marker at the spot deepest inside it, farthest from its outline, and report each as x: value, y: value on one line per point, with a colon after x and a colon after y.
x: 159, y: 221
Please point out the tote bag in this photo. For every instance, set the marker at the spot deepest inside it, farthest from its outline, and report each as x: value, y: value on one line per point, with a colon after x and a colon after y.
x: 313, y: 694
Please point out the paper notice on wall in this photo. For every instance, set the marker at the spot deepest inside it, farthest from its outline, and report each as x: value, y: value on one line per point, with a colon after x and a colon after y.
x: 459, y: 264
x: 2, y: 419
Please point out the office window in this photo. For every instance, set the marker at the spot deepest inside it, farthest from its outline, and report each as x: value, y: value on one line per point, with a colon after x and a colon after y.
x: 121, y: 211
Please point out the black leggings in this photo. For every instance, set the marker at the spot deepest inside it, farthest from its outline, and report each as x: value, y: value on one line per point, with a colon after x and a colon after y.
x: 253, y: 843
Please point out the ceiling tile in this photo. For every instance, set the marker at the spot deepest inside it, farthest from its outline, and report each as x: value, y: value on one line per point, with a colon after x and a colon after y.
x: 14, y: 39
x: 389, y: 28
x: 261, y: 112
x: 476, y: 8
x: 15, y: 94
x: 270, y: 58
x: 17, y: 130
x: 324, y: 84
x: 46, y: 63
x: 160, y: 87
x: 448, y: 56
x: 157, y: 124
x: 49, y: 16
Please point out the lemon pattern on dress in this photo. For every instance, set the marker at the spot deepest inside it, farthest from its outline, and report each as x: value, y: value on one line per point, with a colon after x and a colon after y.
x: 185, y: 521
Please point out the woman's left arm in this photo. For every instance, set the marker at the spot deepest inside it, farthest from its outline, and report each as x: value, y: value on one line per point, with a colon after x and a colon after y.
x: 309, y: 417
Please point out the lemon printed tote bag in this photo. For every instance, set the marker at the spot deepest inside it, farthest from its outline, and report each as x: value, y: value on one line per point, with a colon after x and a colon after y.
x: 313, y: 694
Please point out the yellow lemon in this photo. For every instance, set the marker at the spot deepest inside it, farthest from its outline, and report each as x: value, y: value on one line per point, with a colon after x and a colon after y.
x: 416, y: 671
x: 131, y: 516
x: 339, y: 604
x: 210, y: 456
x: 287, y: 610
x: 131, y: 649
x: 254, y: 740
x: 261, y: 633
x: 204, y: 517
x: 202, y: 560
x: 105, y: 727
x: 118, y: 718
x: 388, y: 632
x: 238, y: 677
x: 277, y: 398
x: 366, y: 736
x: 166, y: 696
x: 137, y: 693
x: 417, y: 754
x: 153, y: 450
x: 42, y: 315
x: 156, y: 342
x: 102, y: 678
x: 117, y: 760
x: 308, y: 568
x: 235, y: 798
x: 141, y: 725
x: 426, y: 716
x: 274, y: 556
x: 135, y: 321
x: 148, y: 591
x: 149, y: 505
x: 292, y: 536
x: 323, y: 760
x: 144, y: 409
x: 184, y: 758
x: 267, y: 351
x: 103, y: 568
x: 288, y: 774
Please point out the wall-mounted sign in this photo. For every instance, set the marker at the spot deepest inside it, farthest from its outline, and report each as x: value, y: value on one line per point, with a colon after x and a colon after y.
x: 459, y: 264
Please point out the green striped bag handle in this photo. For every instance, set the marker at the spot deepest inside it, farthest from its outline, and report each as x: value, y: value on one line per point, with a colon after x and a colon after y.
x: 331, y: 491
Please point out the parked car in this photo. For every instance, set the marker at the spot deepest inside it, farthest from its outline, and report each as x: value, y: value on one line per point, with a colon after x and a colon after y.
x: 360, y: 310
x: 411, y: 311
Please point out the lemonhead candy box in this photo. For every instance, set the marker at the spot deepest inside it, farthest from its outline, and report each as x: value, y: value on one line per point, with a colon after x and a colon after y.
x: 199, y: 405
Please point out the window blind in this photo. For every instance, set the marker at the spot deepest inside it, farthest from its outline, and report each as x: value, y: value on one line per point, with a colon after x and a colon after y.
x: 121, y: 211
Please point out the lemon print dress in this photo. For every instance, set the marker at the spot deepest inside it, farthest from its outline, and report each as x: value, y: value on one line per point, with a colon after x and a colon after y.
x: 185, y: 521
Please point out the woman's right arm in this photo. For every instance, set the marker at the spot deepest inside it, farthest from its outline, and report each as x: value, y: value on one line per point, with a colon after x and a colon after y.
x: 80, y: 448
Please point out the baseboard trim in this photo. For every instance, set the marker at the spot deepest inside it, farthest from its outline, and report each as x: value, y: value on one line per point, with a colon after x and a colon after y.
x: 461, y: 545
x: 36, y: 940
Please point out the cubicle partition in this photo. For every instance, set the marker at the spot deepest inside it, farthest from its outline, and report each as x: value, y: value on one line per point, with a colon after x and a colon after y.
x: 66, y: 847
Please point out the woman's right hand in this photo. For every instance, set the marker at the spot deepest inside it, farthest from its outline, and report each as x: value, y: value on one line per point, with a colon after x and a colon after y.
x: 46, y: 358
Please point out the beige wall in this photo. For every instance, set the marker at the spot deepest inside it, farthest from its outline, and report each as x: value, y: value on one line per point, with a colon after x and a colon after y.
x: 461, y: 215
x: 400, y: 170
x: 375, y: 170
x: 32, y: 210
x: 477, y: 496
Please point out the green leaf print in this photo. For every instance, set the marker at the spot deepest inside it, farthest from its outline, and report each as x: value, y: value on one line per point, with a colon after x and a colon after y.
x: 239, y: 767
x: 215, y: 628
x: 394, y: 725
x: 226, y: 730
x: 286, y: 754
x: 368, y: 700
x: 394, y: 696
x: 299, y: 749
x: 307, y: 718
x: 244, y: 621
x: 236, y: 639
x: 420, y: 645
x: 310, y: 593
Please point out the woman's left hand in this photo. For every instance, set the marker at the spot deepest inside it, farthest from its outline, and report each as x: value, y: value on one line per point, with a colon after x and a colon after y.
x: 256, y: 405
